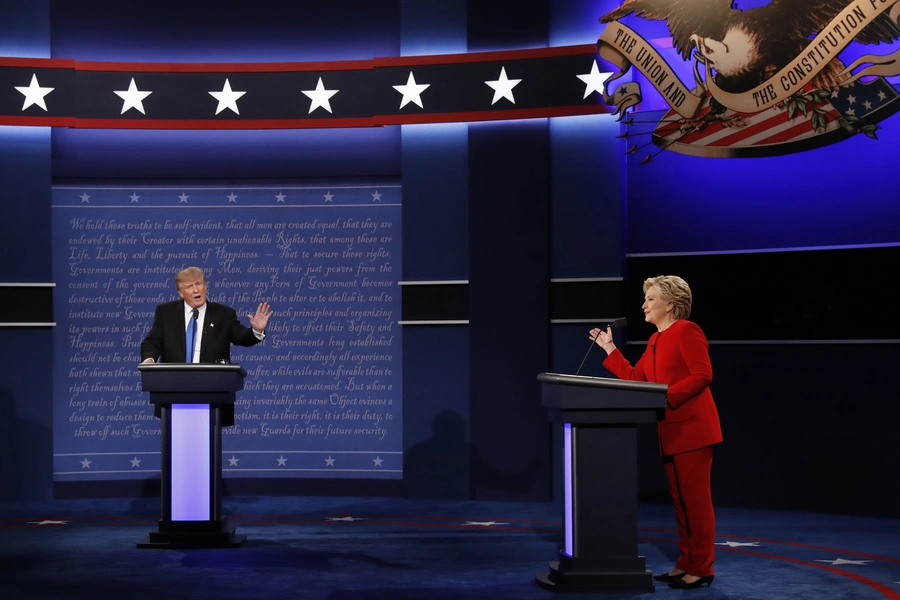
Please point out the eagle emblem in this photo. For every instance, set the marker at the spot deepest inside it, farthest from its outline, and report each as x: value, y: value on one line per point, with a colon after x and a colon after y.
x: 767, y: 80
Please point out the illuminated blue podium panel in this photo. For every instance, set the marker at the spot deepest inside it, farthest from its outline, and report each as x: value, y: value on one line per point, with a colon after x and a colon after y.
x: 599, y: 418
x: 190, y: 399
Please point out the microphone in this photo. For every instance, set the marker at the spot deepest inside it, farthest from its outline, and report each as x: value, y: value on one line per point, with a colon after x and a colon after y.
x: 621, y: 322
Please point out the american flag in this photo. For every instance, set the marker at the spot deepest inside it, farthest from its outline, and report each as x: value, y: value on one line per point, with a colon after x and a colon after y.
x: 778, y: 130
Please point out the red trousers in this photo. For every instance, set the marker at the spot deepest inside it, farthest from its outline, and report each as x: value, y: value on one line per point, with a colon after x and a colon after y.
x: 688, y: 475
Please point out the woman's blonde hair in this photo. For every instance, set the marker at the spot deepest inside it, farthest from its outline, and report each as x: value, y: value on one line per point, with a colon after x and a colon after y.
x: 672, y: 289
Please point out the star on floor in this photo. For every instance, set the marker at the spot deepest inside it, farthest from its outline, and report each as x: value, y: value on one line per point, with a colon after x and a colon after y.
x: 482, y: 523
x: 328, y: 197
x: 134, y: 198
x: 412, y: 91
x: 280, y: 197
x: 738, y: 544
x: 377, y: 460
x: 320, y: 97
x: 227, y: 98
x: 503, y: 87
x: 841, y: 561
x: 376, y: 197
x: 133, y: 98
x: 183, y: 198
x: 84, y: 198
x: 86, y: 464
x: 136, y: 462
x: 47, y: 522
x: 329, y: 462
x: 232, y: 198
x: 34, y: 93
x: 594, y: 80
x: 282, y: 461
x: 232, y: 462
x: 345, y: 519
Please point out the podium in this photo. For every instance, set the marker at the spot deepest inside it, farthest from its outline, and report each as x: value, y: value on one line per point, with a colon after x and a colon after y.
x: 190, y: 398
x: 599, y: 417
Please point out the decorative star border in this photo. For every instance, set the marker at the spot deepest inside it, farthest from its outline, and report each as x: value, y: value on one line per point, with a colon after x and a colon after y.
x: 236, y: 462
x: 516, y: 84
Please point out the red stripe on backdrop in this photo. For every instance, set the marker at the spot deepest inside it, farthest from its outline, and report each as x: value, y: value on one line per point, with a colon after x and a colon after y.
x: 493, y: 115
x: 38, y: 121
x: 445, y: 59
x: 38, y: 63
x: 344, y: 65
x: 224, y: 124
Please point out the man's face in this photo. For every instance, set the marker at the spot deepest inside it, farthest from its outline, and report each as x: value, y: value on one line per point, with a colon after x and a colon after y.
x: 193, y: 291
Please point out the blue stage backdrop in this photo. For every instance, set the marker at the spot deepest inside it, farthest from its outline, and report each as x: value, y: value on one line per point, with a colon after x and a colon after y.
x: 322, y: 397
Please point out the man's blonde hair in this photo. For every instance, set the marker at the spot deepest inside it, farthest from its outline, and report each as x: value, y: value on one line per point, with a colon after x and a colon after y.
x: 186, y: 274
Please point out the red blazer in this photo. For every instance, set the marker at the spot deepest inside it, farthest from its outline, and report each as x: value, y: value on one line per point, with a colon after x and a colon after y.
x: 679, y: 357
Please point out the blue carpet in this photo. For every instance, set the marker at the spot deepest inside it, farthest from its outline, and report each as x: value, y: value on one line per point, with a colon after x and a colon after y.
x: 374, y: 548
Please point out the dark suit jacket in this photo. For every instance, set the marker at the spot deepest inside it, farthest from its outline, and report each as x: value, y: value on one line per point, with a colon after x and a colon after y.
x: 679, y: 357
x: 221, y: 328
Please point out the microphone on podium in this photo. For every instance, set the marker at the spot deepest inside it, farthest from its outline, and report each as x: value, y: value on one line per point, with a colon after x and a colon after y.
x: 621, y: 322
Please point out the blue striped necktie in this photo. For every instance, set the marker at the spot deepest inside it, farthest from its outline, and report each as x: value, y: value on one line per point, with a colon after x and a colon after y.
x: 190, y: 337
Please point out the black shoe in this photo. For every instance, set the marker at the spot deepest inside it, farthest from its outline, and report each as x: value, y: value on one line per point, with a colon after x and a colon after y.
x: 666, y: 578
x: 681, y: 585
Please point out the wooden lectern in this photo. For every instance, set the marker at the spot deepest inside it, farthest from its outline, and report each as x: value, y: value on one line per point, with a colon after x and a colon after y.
x: 190, y: 398
x: 599, y: 418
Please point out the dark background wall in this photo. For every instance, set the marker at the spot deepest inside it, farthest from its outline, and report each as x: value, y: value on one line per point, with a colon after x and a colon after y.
x: 509, y: 219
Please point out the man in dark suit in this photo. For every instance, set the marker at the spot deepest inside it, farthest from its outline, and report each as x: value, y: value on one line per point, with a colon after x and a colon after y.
x: 217, y: 326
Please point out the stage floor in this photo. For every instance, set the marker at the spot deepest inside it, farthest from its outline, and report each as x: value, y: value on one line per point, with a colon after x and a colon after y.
x: 340, y: 548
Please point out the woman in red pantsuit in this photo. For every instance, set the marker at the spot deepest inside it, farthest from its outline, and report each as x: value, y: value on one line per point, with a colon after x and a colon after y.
x: 677, y: 355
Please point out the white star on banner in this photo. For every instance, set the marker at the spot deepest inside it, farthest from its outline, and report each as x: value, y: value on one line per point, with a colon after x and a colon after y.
x: 841, y: 561
x: 851, y: 99
x: 183, y: 197
x: 84, y: 198
x: 280, y: 197
x: 329, y: 462
x: 86, y: 464
x: 136, y: 462
x: 594, y: 80
x: 232, y: 462
x: 345, y: 519
x: 412, y: 91
x: 867, y: 105
x: 319, y: 97
x: 227, y: 98
x: 482, y: 523
x: 232, y: 198
x: 282, y: 461
x: 377, y: 460
x: 882, y: 96
x: 133, y: 98
x: 134, y: 198
x: 47, y: 522
x: 376, y: 197
x: 737, y: 544
x: 328, y: 197
x: 503, y: 87
x: 34, y: 93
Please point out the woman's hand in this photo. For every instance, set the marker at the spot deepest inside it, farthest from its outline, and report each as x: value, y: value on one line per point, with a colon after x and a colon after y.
x: 604, y: 339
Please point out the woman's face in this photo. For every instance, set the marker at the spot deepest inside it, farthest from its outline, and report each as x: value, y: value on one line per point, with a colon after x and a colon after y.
x: 654, y: 307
